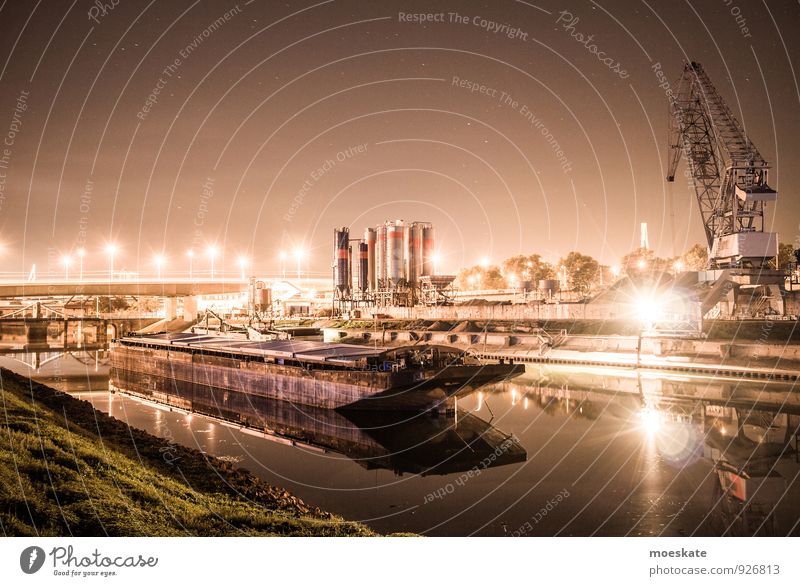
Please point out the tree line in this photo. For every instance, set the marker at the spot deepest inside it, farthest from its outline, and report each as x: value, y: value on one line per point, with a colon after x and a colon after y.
x: 584, y: 274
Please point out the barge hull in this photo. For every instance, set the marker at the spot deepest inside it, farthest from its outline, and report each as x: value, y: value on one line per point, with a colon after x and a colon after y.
x: 149, y: 371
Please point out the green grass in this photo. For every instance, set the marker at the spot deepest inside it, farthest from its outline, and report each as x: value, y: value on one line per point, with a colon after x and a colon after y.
x: 68, y: 469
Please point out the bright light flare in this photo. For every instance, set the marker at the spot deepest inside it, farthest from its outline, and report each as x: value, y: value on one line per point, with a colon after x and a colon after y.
x: 649, y: 309
x: 650, y: 420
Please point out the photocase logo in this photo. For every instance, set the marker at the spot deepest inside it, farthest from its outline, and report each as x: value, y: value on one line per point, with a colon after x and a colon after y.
x: 31, y: 559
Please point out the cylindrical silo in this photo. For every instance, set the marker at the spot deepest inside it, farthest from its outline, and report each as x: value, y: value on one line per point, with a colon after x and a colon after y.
x: 380, y: 257
x: 341, y: 237
x: 395, y: 259
x: 414, y: 253
x: 363, y: 266
x: 370, y: 238
x: 548, y: 287
x: 428, y: 250
x: 263, y: 299
x: 408, y: 270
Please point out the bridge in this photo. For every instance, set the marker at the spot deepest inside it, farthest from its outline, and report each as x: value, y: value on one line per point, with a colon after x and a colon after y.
x: 144, y: 288
x: 180, y: 295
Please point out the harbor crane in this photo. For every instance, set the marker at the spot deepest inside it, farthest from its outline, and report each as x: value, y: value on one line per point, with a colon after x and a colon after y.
x: 728, y: 173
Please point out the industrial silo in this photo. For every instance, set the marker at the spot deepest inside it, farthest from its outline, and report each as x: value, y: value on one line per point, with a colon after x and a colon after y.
x: 341, y: 237
x: 363, y: 267
x: 414, y: 257
x: 370, y: 238
x: 395, y: 259
x: 262, y: 298
x: 380, y: 257
x: 428, y: 250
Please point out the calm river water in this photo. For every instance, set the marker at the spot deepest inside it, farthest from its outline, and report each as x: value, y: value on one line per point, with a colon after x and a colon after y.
x: 555, y: 452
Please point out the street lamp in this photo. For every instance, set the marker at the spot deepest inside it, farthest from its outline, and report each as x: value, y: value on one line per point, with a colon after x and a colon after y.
x: 111, y: 251
x: 81, y: 254
x: 212, y: 254
x: 282, y: 257
x: 242, y: 265
x: 66, y: 260
x: 190, y: 254
x: 159, y: 261
x: 299, y: 253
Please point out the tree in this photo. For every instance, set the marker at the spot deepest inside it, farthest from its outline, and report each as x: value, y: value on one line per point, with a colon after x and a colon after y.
x: 785, y: 255
x: 478, y: 277
x: 644, y: 261
x: 583, y: 272
x: 527, y: 268
x: 695, y: 259
x: 112, y: 304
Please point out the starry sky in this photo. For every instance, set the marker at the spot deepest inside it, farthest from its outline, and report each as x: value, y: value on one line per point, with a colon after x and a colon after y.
x: 259, y: 126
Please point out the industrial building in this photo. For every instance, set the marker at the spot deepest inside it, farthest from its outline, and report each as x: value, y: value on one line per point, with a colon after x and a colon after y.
x: 394, y: 265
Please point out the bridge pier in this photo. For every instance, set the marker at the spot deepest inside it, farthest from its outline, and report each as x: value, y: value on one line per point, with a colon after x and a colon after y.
x: 190, y: 308
x: 101, y: 333
x: 37, y: 333
x: 171, y: 307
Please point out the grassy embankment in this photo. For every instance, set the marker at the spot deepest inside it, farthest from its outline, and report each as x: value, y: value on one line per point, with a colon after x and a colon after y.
x: 68, y: 469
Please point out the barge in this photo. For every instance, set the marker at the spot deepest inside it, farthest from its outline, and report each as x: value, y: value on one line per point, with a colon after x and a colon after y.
x: 318, y: 374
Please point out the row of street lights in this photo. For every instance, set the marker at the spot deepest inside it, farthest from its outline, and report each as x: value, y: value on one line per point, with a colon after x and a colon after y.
x: 160, y: 260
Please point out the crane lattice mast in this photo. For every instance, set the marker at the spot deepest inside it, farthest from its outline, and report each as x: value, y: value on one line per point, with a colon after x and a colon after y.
x: 728, y: 173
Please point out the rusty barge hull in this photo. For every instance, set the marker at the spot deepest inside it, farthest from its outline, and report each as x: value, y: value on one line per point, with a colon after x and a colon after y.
x: 328, y: 376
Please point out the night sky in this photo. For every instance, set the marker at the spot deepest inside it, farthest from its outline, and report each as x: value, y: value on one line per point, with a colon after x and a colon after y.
x: 276, y: 121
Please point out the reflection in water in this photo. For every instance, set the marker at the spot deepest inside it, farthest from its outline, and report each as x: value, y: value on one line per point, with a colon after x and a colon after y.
x: 637, y: 455
x: 751, y: 447
x: 401, y: 442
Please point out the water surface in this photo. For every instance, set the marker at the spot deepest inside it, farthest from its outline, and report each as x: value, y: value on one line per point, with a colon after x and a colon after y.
x: 554, y: 452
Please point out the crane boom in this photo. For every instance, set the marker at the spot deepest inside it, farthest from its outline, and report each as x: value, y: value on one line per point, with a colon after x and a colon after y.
x: 728, y: 173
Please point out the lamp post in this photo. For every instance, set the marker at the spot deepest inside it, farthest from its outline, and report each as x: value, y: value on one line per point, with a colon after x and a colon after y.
x: 81, y: 254
x: 190, y: 254
x: 282, y: 257
x: 299, y: 253
x: 212, y: 254
x: 66, y: 260
x: 111, y: 250
x: 158, y: 260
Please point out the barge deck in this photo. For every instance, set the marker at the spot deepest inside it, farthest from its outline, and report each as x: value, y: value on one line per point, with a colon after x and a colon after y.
x: 318, y: 374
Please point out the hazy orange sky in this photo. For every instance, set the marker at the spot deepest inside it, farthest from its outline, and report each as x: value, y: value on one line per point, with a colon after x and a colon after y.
x: 260, y: 126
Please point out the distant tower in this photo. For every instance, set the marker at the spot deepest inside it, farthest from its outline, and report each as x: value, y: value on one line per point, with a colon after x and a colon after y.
x: 645, y: 243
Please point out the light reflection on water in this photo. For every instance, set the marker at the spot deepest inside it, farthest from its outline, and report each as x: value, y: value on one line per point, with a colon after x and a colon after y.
x: 575, y: 453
